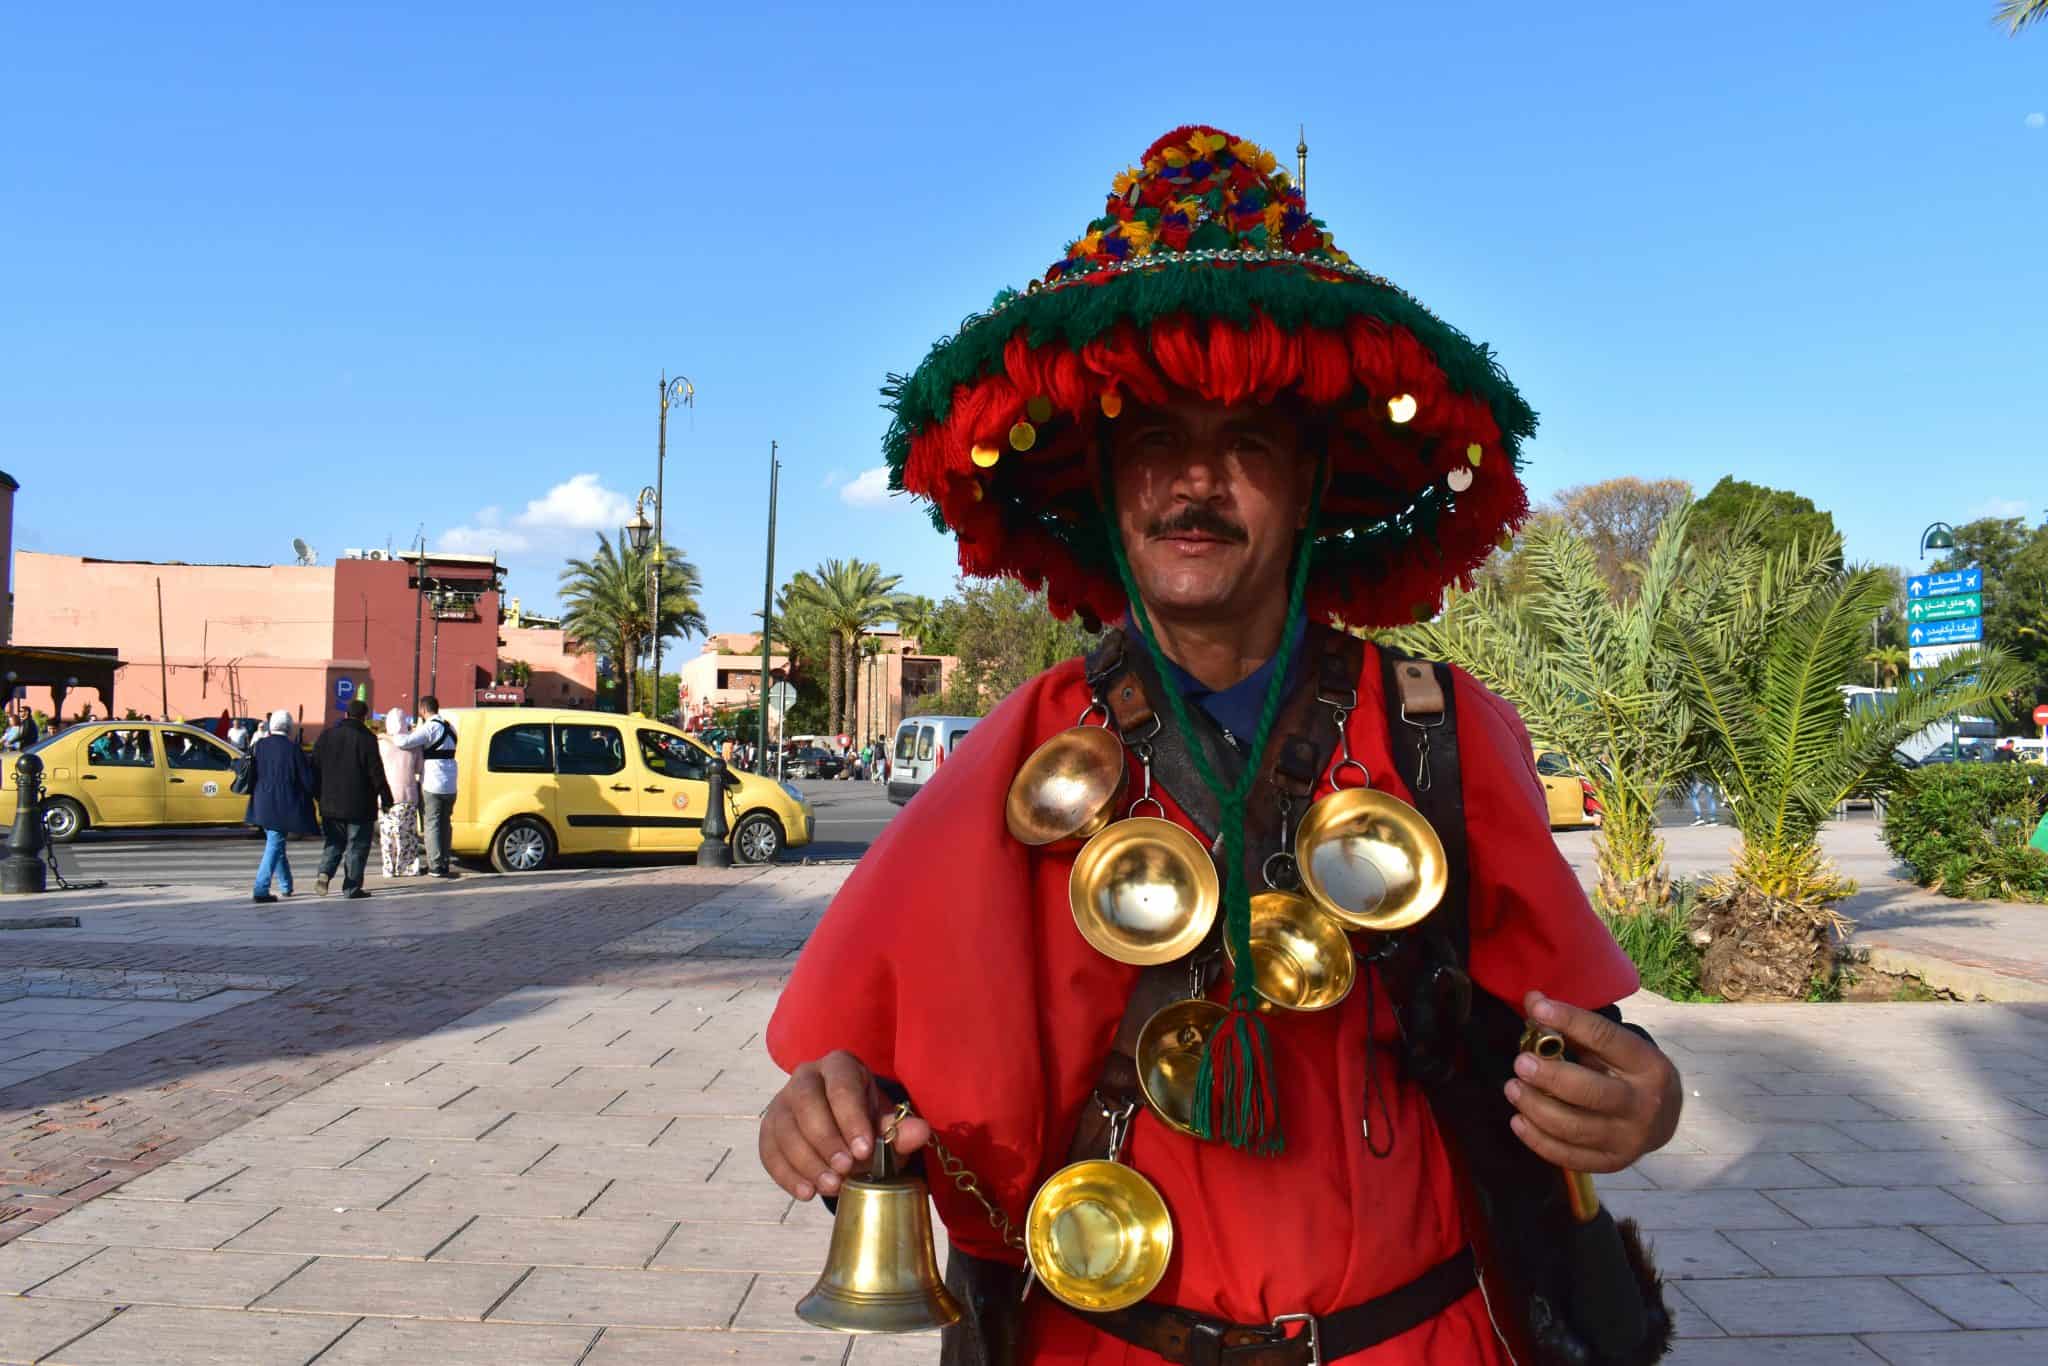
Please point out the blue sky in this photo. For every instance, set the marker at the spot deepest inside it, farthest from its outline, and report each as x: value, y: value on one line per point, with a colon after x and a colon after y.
x: 338, y: 273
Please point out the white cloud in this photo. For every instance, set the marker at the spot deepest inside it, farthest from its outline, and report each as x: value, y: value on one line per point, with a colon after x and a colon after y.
x: 2001, y: 507
x: 869, y: 488
x: 572, y: 508
x: 833, y: 478
x: 2037, y: 120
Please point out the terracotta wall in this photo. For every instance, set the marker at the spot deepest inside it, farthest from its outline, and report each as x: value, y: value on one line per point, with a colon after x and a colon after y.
x: 562, y: 675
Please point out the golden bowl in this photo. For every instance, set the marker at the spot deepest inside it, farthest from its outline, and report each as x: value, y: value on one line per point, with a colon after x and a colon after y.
x: 1143, y: 890
x: 1370, y: 859
x: 1068, y: 788
x: 1098, y: 1236
x: 1170, y: 1054
x: 1301, y: 957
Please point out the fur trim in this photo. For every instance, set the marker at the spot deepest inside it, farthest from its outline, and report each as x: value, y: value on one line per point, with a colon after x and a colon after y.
x: 1651, y: 1282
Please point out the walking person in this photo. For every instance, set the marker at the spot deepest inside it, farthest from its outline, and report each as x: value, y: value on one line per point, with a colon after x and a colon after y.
x: 398, y: 830
x: 352, y: 790
x: 281, y: 788
x: 1706, y: 803
x: 435, y: 738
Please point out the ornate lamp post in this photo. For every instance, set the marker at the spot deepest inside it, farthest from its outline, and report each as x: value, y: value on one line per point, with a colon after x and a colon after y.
x: 1939, y: 536
x: 637, y: 531
x: 677, y: 390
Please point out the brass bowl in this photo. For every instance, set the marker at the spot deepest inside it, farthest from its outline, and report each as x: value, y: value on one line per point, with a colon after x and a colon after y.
x: 1068, y: 788
x: 1170, y: 1054
x: 1098, y: 1236
x: 1143, y: 891
x: 1301, y: 957
x: 1371, y: 860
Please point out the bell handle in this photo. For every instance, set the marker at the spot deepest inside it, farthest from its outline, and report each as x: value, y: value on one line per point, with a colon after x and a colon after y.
x: 885, y: 1147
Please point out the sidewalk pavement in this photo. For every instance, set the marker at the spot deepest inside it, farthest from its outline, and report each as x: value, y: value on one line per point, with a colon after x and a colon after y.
x: 559, y: 1168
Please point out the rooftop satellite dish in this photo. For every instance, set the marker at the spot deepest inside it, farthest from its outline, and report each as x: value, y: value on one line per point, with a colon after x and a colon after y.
x: 305, y: 552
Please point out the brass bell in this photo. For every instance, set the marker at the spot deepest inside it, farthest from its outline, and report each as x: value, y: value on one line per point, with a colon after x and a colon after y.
x: 1370, y: 859
x: 1301, y: 957
x: 1143, y: 891
x: 881, y: 1274
x: 1068, y: 788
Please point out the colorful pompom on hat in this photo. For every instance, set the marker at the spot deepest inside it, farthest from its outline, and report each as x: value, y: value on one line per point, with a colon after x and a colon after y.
x: 1207, y: 274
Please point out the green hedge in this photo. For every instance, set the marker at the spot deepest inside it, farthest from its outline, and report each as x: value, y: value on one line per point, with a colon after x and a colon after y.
x: 1963, y: 829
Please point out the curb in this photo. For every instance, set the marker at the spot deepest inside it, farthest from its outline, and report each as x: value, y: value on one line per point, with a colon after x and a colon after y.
x: 1969, y: 981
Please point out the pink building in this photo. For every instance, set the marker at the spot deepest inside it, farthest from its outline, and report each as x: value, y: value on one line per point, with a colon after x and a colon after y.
x: 561, y: 674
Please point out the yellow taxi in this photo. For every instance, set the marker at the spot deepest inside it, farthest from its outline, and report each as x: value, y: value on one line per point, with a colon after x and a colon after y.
x: 124, y: 774
x: 1570, y: 797
x: 537, y: 782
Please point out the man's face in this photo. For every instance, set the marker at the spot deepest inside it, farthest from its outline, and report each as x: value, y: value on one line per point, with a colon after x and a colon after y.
x: 1209, y: 499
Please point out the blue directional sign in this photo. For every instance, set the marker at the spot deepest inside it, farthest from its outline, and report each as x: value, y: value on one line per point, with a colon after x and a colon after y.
x: 1968, y: 631
x: 1970, y: 580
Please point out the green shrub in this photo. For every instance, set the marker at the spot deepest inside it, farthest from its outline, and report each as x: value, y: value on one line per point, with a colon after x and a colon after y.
x: 1658, y: 941
x: 1963, y: 829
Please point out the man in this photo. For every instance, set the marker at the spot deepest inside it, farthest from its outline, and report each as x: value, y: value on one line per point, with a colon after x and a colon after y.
x: 349, y: 777
x: 1207, y: 418
x: 435, y: 737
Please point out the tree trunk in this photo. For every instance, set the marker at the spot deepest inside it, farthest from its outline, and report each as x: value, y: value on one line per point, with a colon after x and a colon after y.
x: 1629, y: 858
x: 1771, y: 927
x: 835, y: 680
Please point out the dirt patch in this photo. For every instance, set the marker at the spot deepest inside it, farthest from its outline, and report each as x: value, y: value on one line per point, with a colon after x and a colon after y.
x: 1867, y: 984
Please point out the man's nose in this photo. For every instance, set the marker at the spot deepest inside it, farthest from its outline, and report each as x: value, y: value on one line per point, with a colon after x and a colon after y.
x: 1202, y: 477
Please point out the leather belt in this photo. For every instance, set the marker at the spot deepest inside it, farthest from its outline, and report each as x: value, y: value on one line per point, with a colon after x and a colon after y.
x: 1190, y: 1339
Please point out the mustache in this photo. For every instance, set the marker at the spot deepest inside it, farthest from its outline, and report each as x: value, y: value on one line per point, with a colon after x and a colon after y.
x: 1197, y: 517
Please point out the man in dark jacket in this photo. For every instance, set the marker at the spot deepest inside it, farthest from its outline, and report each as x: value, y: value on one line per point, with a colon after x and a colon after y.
x: 352, y: 791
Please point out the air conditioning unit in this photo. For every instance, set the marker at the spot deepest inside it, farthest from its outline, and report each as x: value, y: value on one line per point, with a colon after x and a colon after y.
x: 376, y: 554
x: 355, y: 554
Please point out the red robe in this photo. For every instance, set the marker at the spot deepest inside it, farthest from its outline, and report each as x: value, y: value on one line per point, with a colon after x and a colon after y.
x: 950, y: 962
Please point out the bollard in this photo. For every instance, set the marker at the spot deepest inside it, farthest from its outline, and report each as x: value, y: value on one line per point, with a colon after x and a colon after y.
x: 22, y: 870
x: 715, y: 852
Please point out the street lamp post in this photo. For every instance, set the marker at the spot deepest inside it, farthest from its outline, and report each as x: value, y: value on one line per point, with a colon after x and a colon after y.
x: 677, y: 390
x: 768, y: 601
x: 638, y: 530
x: 1938, y: 536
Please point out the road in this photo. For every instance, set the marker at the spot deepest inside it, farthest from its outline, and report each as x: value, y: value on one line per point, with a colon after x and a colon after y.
x: 849, y: 817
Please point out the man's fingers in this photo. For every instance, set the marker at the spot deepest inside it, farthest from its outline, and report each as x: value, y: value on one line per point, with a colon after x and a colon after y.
x: 788, y: 1156
x: 1576, y: 1085
x: 1593, y: 1035
x: 1564, y: 1123
x: 912, y: 1135
x: 1569, y: 1156
x: 850, y: 1093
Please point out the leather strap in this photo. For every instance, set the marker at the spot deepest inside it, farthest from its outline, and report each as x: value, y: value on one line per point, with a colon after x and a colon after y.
x: 1117, y: 1084
x: 1189, y: 1339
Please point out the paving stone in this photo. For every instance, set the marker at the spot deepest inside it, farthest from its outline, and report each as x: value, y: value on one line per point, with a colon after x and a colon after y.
x: 245, y: 1149
x: 1688, y: 1320
x: 312, y: 1187
x: 416, y: 1123
x: 1953, y: 1168
x: 1918, y: 1135
x: 178, y: 1180
x: 582, y: 1130
x: 745, y: 1247
x: 588, y: 1241
x: 384, y: 1342
x: 356, y: 1285
x: 770, y: 1306
x: 755, y: 1201
x: 150, y: 1223
x: 1751, y: 1171
x: 1734, y: 1137
x: 654, y: 1347
x: 174, y: 1337
x: 2013, y: 1204
x: 356, y: 1233
x: 1945, y: 1349
x: 905, y: 1349
x: 540, y: 1100
x: 653, y: 1299
x: 1877, y: 1206
x: 1699, y: 1253
x: 147, y: 1275
x: 25, y: 1263
x: 1847, y: 1252
x: 1815, y: 1304
x: 667, y: 1162
x: 31, y: 1329
x: 452, y: 1156
x: 557, y: 1197
x: 1699, y: 1209
x: 1978, y: 1301
x: 2000, y: 1247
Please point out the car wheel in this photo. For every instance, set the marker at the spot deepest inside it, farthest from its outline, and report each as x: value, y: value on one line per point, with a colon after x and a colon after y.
x: 522, y: 845
x: 757, y: 838
x: 62, y: 819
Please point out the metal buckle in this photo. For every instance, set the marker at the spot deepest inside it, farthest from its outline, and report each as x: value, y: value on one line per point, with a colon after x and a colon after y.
x: 1314, y: 1334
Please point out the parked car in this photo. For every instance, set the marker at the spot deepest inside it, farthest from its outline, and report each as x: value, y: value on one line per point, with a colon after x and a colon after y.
x: 539, y: 782
x: 922, y: 744
x: 114, y: 775
x: 1569, y: 796
x: 813, y: 761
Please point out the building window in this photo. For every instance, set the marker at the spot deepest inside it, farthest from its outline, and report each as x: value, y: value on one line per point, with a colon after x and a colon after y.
x: 920, y: 678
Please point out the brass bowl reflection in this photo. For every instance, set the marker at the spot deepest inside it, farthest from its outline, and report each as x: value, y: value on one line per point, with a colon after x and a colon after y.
x: 1301, y: 957
x: 1068, y: 788
x: 1098, y: 1236
x: 1143, y: 891
x: 1370, y: 859
x: 1170, y: 1054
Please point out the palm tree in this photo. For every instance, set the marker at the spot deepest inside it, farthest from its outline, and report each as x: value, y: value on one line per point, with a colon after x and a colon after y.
x: 605, y: 603
x: 1887, y: 662
x: 849, y: 597
x: 2018, y: 14
x: 1762, y: 640
x: 1592, y: 682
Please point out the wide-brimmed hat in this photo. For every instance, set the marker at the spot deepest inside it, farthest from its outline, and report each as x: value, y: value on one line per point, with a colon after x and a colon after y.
x: 1206, y: 274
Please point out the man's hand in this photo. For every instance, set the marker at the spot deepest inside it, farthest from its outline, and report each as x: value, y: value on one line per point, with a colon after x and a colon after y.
x: 1600, y: 1114
x: 824, y: 1120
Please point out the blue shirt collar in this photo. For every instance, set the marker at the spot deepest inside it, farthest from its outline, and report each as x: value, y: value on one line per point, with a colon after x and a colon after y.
x: 1237, y: 707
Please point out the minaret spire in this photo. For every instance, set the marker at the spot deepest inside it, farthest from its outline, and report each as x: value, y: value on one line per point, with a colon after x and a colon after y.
x: 1301, y: 160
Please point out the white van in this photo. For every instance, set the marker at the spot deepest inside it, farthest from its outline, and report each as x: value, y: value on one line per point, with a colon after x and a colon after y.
x: 922, y: 744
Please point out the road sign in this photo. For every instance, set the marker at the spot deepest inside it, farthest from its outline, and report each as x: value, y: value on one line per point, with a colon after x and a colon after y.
x: 1952, y: 608
x: 2041, y: 716
x: 344, y: 689
x: 1927, y: 656
x: 1968, y: 631
x: 1966, y: 580
x: 1920, y: 676
x: 781, y: 697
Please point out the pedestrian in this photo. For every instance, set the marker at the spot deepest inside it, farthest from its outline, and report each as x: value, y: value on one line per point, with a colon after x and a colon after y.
x: 398, y: 830
x: 31, y: 733
x: 352, y: 791
x: 219, y: 728
x: 281, y: 788
x: 1706, y: 803
x: 238, y: 735
x: 881, y: 760
x: 1218, y: 402
x: 434, y: 738
x: 12, y: 739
